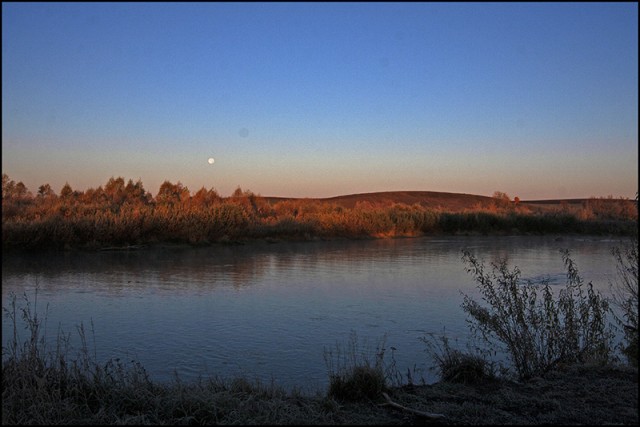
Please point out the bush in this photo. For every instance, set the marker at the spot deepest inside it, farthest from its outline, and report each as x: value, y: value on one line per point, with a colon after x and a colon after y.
x: 537, y: 329
x: 361, y: 382
x: 456, y: 366
x: 353, y: 376
x: 625, y: 297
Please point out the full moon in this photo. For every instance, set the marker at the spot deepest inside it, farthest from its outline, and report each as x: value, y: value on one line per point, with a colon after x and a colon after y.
x: 211, y: 160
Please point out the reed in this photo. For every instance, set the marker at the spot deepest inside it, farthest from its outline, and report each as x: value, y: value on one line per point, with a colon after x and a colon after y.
x: 625, y: 296
x: 127, y: 215
x: 538, y: 329
x: 356, y: 373
x: 457, y: 366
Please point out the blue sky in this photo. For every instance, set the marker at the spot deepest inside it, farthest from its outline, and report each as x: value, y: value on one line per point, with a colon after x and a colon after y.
x: 538, y: 100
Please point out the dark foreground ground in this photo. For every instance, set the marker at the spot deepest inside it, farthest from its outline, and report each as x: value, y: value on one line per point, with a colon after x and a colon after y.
x: 577, y: 395
x: 580, y: 395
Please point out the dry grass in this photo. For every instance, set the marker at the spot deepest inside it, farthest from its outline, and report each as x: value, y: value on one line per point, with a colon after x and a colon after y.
x: 127, y: 215
x: 586, y: 395
x: 356, y: 373
x: 538, y: 329
x: 456, y: 366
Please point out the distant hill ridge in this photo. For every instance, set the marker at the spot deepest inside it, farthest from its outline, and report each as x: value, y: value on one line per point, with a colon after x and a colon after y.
x: 430, y: 199
x: 451, y: 202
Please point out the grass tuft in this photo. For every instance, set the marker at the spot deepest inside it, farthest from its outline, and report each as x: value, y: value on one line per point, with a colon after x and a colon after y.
x: 456, y: 366
x: 353, y: 374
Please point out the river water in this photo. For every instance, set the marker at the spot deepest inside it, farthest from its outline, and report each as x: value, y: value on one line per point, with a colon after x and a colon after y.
x: 274, y: 312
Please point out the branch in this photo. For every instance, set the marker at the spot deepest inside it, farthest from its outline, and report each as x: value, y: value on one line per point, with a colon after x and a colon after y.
x: 413, y: 411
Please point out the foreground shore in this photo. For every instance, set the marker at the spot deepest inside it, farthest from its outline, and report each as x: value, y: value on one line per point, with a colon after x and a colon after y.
x: 576, y: 395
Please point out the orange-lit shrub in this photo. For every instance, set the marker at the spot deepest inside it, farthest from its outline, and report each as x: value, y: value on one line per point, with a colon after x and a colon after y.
x: 120, y: 214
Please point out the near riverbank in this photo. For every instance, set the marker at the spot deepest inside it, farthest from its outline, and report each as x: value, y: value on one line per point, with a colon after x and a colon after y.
x: 577, y: 395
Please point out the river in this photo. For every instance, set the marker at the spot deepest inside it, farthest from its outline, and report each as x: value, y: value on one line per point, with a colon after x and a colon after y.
x: 274, y: 311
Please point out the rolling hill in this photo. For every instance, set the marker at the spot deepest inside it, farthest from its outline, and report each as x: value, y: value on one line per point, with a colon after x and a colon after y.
x: 451, y: 202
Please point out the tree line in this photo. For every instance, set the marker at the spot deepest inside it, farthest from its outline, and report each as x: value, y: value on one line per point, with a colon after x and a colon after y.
x: 124, y: 213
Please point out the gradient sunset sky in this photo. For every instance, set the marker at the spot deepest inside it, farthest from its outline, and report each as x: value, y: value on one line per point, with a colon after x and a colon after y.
x: 538, y: 100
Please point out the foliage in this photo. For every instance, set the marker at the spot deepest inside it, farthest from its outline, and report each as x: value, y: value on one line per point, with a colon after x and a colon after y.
x: 457, y: 366
x: 501, y: 199
x: 539, y: 330
x: 125, y: 214
x: 353, y: 376
x: 625, y: 296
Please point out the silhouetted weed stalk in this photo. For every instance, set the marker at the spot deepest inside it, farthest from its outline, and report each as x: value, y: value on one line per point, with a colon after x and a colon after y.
x: 539, y: 330
x: 625, y: 296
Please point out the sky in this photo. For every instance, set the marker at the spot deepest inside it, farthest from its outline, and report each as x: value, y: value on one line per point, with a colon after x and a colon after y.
x: 537, y: 100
